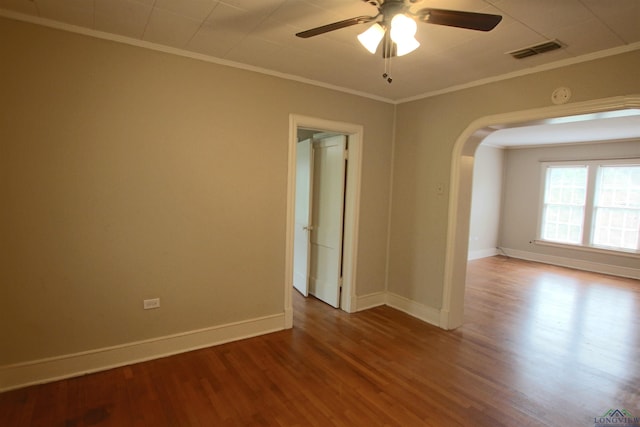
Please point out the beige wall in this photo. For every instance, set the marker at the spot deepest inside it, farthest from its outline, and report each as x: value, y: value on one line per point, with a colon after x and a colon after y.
x: 486, y: 201
x: 127, y: 173
x: 426, y: 132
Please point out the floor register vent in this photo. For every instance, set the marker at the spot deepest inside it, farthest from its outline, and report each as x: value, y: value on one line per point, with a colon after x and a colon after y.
x: 537, y: 49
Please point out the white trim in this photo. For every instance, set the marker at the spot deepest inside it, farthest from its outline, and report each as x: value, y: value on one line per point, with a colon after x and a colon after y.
x: 423, y: 312
x: 578, y: 264
x: 352, y: 205
x: 366, y: 302
x: 563, y: 144
x: 592, y: 249
x: 290, y: 222
x: 412, y: 308
x: 462, y: 175
x: 180, y: 52
x: 482, y: 253
x: 415, y: 309
x: 634, y: 159
x: 56, y: 368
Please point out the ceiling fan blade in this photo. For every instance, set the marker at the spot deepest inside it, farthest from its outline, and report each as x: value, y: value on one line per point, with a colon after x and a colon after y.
x: 455, y: 18
x: 335, y: 26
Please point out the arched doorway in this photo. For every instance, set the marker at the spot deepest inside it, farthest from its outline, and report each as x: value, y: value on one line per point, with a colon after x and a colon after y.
x: 452, y: 312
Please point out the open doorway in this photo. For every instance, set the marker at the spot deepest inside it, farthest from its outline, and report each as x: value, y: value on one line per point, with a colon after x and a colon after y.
x: 353, y: 133
x: 452, y: 312
x: 321, y: 168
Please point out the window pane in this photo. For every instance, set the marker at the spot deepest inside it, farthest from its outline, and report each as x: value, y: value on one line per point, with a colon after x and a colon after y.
x: 555, y: 195
x: 575, y: 233
x: 566, y: 185
x: 564, y: 200
x: 617, y: 228
x: 617, y: 207
x: 618, y: 186
x: 563, y: 224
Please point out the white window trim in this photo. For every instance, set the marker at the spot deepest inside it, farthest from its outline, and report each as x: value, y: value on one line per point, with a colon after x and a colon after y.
x: 586, y: 246
x: 592, y: 249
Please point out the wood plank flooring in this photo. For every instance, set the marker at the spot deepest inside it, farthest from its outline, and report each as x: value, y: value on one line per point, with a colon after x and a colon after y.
x: 541, y: 346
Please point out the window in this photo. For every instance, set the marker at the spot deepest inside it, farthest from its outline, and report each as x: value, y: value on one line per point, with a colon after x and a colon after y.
x: 564, y: 201
x: 593, y: 204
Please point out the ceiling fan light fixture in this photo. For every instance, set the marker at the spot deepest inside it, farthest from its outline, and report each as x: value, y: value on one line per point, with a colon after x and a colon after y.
x: 407, y: 46
x: 371, y: 38
x: 403, y: 28
x: 395, y: 26
x: 403, y: 31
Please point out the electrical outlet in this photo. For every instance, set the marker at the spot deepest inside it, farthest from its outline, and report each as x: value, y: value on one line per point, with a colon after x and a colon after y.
x: 151, y: 303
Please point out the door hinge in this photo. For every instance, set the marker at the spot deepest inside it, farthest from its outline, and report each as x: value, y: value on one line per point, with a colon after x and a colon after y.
x: 346, y: 154
x: 340, y: 283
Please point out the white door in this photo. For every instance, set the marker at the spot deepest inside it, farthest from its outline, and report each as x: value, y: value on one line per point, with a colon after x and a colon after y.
x: 304, y: 179
x: 327, y: 211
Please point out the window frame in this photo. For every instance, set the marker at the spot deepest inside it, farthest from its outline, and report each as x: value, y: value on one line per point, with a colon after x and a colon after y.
x: 593, y: 167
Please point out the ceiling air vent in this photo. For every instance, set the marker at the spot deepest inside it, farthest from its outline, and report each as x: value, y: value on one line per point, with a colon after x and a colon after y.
x: 536, y: 49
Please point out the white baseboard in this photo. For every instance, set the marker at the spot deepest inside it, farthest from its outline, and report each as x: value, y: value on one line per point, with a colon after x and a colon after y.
x: 423, y: 312
x: 56, y: 368
x: 482, y: 253
x: 578, y: 264
x: 420, y: 311
x: 369, y: 301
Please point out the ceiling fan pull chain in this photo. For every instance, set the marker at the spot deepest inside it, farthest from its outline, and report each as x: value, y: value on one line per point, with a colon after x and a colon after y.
x: 387, y: 70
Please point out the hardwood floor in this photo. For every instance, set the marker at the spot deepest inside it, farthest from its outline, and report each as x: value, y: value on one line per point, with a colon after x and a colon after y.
x: 541, y: 346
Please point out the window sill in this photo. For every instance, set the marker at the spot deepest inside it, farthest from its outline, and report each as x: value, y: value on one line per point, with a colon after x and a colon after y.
x: 591, y: 249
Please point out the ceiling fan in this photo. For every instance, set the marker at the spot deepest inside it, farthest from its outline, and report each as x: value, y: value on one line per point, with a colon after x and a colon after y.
x: 396, y: 16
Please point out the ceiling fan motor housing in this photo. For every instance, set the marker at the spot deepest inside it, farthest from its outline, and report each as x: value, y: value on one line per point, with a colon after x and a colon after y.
x: 391, y: 8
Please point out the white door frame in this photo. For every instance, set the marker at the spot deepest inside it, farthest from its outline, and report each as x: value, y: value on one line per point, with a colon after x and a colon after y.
x: 452, y: 312
x: 351, y: 214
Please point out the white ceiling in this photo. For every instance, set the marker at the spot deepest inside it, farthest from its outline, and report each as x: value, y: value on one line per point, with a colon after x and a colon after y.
x: 261, y: 33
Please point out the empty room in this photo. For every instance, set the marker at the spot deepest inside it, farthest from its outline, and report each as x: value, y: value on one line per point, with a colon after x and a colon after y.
x: 151, y: 166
